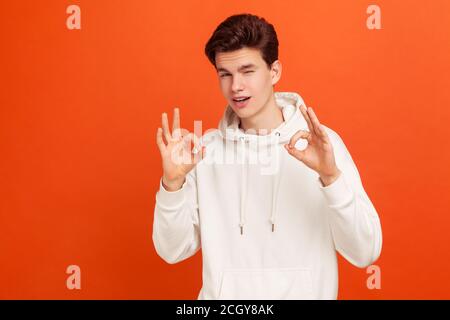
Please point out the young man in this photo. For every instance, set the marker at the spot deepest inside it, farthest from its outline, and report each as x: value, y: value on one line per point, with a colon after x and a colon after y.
x: 265, y: 233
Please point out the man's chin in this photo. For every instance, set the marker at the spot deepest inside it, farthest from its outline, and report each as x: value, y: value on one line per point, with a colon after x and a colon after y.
x: 240, y: 112
x: 244, y: 112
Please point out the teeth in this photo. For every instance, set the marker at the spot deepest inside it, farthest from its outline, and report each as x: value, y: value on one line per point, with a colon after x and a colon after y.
x: 240, y: 99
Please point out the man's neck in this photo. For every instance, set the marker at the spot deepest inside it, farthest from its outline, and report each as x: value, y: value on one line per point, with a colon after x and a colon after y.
x: 268, y: 118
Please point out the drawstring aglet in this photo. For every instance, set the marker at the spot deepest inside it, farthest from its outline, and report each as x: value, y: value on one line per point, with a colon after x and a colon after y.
x: 273, y: 227
x: 242, y: 230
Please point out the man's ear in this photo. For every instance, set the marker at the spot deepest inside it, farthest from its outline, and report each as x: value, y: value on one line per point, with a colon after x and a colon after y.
x: 275, y: 71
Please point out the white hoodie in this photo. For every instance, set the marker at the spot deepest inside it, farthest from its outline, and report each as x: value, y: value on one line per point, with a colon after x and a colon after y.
x: 268, y: 228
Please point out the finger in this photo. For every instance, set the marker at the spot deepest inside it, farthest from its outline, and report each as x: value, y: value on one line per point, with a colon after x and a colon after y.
x: 165, y: 127
x: 319, y: 129
x: 190, y: 137
x: 300, y: 134
x: 307, y: 118
x: 176, y: 124
x: 159, y: 141
x: 323, y: 134
x: 298, y: 154
x: 182, y: 153
x: 197, y: 150
x: 190, y: 149
x: 315, y: 122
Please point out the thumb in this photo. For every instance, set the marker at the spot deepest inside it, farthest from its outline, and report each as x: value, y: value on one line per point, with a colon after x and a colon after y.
x: 298, y: 154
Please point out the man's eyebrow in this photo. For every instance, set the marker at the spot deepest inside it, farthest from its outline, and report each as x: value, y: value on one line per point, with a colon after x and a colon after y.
x: 245, y: 66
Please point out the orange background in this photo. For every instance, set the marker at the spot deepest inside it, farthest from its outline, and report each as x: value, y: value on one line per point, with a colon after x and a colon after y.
x: 79, y: 165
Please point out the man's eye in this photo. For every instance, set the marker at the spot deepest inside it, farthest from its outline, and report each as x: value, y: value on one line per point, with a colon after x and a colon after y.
x: 226, y: 74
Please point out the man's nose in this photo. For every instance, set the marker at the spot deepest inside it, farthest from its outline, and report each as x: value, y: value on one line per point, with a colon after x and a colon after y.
x: 237, y: 84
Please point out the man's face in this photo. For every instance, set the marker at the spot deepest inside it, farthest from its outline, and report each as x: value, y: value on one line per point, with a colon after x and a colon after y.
x: 244, y: 73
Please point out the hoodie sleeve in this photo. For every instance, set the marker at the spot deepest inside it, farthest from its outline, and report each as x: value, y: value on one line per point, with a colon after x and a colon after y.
x: 354, y: 222
x: 176, y: 233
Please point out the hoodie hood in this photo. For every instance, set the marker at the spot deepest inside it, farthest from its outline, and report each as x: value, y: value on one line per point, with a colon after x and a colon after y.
x: 289, y: 103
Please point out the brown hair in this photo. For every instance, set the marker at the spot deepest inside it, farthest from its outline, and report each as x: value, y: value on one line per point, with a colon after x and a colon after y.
x: 244, y: 30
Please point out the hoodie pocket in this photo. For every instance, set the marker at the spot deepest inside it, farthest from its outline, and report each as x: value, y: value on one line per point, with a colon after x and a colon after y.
x: 266, y: 284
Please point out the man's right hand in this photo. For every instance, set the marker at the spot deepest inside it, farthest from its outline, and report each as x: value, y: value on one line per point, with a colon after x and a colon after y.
x: 176, y: 153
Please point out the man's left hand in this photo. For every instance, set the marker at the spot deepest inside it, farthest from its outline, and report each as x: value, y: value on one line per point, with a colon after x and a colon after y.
x: 318, y: 155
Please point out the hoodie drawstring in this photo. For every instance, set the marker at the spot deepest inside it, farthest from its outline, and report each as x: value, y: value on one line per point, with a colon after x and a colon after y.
x: 275, y: 186
x: 243, y: 186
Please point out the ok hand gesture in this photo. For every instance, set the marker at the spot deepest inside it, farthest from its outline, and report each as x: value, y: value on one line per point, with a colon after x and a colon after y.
x: 177, y: 156
x: 318, y: 155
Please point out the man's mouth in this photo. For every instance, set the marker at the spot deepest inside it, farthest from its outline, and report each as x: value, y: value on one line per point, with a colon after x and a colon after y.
x: 240, y: 99
x: 241, y: 102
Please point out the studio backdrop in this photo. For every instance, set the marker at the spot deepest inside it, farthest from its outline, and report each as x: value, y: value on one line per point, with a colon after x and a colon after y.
x: 82, y: 88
